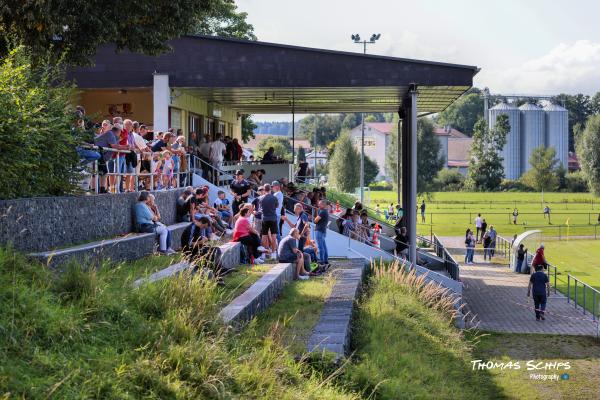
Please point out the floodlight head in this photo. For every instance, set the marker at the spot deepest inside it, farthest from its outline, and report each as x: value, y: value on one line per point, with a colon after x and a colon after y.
x: 375, y: 37
x: 356, y: 37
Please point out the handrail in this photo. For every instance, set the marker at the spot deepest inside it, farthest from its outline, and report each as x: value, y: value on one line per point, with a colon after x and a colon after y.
x: 452, y: 267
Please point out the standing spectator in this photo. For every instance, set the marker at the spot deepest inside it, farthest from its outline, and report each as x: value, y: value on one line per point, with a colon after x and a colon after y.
x: 478, y: 222
x: 106, y: 139
x: 484, y: 226
x: 205, y: 157
x: 515, y: 214
x: 487, y: 251
x: 399, y: 214
x: 423, y: 211
x: 470, y: 245
x: 391, y: 212
x: 302, y: 172
x: 401, y: 240
x: 241, y: 189
x: 321, y: 222
x: 539, y: 284
x: 547, y: 213
x: 141, y: 147
x: 521, y: 252
x: 248, y: 236
x: 270, y: 218
x: 217, y: 155
x: 147, y: 219
x: 301, y: 224
x: 269, y: 156
x: 131, y: 158
x: 234, y: 150
x: 276, y: 187
x: 257, y: 211
x: 179, y: 160
x: 493, y: 236
x: 162, y: 141
x: 289, y: 253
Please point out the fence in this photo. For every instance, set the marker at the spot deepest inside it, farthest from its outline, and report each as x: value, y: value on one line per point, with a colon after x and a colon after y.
x: 579, y: 293
x: 469, y: 217
x: 115, y: 176
x: 565, y: 231
x: 450, y: 263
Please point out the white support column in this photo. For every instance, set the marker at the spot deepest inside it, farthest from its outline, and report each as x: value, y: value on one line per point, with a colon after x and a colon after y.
x: 161, y: 95
x: 412, y: 211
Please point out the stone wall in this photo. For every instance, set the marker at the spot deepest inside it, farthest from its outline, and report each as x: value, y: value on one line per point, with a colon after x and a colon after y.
x: 45, y: 223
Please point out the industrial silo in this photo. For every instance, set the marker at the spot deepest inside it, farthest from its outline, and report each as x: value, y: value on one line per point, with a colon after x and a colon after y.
x: 511, y: 152
x: 532, y: 132
x: 557, y: 131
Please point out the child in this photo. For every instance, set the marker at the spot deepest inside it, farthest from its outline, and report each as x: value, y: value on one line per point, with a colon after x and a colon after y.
x: 378, y: 211
x: 223, y: 207
x: 167, y: 168
x: 157, y: 168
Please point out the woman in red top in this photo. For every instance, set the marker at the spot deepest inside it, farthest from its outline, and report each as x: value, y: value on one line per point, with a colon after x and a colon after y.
x: 244, y: 233
x: 539, y: 258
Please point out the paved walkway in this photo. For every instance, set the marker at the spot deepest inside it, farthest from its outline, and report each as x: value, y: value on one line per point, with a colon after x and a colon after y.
x: 498, y: 299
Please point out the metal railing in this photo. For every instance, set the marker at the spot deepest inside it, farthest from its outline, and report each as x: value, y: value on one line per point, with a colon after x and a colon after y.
x: 503, y: 246
x: 566, y: 231
x: 211, y: 173
x: 450, y: 264
x: 153, y: 177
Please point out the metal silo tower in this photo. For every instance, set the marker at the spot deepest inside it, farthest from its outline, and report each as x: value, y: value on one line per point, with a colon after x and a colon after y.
x: 511, y: 152
x: 533, y: 122
x: 557, y: 131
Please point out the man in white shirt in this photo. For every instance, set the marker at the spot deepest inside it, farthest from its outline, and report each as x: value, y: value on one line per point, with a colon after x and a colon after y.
x: 276, y: 187
x: 217, y: 154
x: 478, y: 222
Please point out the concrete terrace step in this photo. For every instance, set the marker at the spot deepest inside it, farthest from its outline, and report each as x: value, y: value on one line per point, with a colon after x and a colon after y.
x: 259, y: 296
x: 333, y: 331
x: 128, y: 247
x: 230, y: 258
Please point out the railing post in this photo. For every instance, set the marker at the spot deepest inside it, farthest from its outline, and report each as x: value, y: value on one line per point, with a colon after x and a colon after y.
x: 568, y: 288
x: 584, y: 299
x: 555, y: 270
x: 576, y: 294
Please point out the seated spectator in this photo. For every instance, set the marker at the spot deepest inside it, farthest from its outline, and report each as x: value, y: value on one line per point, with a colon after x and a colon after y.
x: 365, y: 227
x: 358, y: 206
x: 289, y: 253
x: 301, y: 224
x: 147, y: 219
x: 193, y: 240
x: 401, y: 242
x: 182, y: 213
x: 248, y: 236
x: 222, y: 206
x: 340, y: 222
x: 350, y: 226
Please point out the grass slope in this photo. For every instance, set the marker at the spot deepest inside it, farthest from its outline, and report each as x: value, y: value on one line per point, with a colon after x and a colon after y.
x: 90, y: 335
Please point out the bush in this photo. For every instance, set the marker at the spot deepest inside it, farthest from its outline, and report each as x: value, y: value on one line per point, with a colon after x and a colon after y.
x: 381, y: 185
x: 508, y: 185
x: 576, y: 182
x: 449, y: 180
x: 36, y: 137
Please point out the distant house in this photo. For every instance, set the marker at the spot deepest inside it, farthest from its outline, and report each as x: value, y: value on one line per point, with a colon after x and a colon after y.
x: 320, y: 158
x: 458, y: 153
x: 378, y: 139
x: 573, y: 162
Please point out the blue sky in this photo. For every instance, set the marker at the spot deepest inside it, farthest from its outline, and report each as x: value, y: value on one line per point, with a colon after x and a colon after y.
x: 527, y: 46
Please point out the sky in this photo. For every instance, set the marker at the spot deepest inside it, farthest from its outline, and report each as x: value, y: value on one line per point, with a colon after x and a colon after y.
x: 524, y: 47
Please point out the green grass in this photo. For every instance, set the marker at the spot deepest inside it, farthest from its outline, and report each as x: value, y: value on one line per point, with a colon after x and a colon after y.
x: 582, y: 353
x: 294, y: 315
x: 88, y: 334
x: 456, y: 211
x: 581, y: 259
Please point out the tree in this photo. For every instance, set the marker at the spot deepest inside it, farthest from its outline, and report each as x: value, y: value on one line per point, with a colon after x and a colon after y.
x: 463, y: 113
x: 327, y: 127
x: 74, y: 29
x: 301, y: 154
x: 350, y: 121
x: 371, y: 170
x: 485, y: 166
x: 544, y: 171
x: 579, y: 107
x: 589, y: 156
x: 37, y: 138
x: 429, y: 162
x: 344, y: 164
x: 282, y: 146
x: 248, y: 127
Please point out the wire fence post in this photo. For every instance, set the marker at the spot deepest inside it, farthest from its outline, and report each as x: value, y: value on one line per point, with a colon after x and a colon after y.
x: 568, y: 288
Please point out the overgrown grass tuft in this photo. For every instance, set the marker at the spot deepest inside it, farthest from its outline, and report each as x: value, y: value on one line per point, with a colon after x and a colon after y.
x: 407, y: 346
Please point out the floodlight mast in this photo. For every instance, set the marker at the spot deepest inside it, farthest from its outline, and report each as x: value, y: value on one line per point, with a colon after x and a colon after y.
x: 356, y: 39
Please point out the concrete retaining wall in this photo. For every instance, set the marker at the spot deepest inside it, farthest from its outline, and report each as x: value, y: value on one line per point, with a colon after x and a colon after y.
x: 130, y: 247
x: 43, y: 223
x: 259, y: 296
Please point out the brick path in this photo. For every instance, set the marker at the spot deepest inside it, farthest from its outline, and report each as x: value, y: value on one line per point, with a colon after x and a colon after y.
x: 498, y: 298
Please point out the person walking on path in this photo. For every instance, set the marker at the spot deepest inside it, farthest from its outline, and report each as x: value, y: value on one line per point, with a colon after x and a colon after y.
x: 487, y: 251
x: 521, y: 251
x: 493, y: 235
x: 484, y: 226
x: 515, y: 214
x: 470, y: 245
x: 539, y: 286
x: 423, y: 211
x: 547, y: 213
x: 478, y: 222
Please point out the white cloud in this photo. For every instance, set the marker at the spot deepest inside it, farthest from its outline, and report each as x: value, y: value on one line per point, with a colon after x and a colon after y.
x: 569, y: 68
